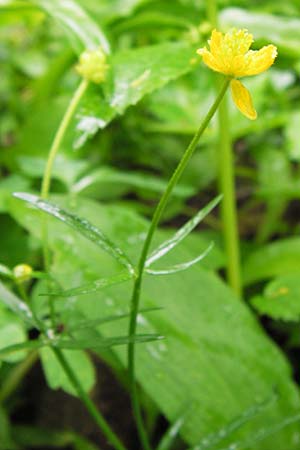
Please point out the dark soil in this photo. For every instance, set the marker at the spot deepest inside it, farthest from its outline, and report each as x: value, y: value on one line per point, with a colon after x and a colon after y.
x: 56, y: 410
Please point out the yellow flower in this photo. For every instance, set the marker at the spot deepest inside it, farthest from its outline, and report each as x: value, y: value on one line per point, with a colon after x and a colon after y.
x: 229, y: 54
x: 92, y: 65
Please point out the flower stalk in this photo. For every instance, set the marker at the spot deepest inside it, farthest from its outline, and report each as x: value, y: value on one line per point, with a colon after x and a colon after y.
x: 93, y: 68
x: 135, y: 300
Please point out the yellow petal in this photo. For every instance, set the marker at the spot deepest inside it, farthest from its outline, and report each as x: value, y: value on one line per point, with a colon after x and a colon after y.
x: 259, y: 61
x: 215, y: 42
x: 210, y: 60
x: 242, y: 99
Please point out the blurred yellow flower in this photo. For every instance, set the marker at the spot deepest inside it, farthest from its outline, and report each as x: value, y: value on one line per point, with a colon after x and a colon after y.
x: 229, y: 54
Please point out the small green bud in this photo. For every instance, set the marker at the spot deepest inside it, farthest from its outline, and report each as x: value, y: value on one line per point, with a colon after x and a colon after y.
x: 22, y: 273
x: 92, y: 65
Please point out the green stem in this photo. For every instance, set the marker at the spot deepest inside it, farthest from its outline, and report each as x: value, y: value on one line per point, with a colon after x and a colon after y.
x: 228, y: 205
x: 58, y: 138
x: 226, y: 183
x: 46, y: 181
x: 95, y: 414
x: 16, y: 375
x: 138, y: 282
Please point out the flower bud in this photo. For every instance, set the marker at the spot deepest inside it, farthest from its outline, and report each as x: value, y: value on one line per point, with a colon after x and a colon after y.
x: 22, y: 273
x: 92, y: 65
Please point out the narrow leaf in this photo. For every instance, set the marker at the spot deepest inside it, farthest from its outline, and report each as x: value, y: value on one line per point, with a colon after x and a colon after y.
x: 83, y: 31
x: 93, y: 323
x: 28, y: 345
x: 83, y: 227
x: 184, y: 231
x: 182, y: 266
x: 93, y: 286
x: 16, y: 305
x: 129, y: 179
x: 95, y: 344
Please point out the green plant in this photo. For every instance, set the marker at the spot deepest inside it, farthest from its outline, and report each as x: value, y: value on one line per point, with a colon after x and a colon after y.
x: 202, y: 359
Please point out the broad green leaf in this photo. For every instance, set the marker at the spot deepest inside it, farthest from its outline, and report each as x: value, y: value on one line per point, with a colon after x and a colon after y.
x: 136, y: 72
x: 34, y: 166
x: 82, y: 29
x: 81, y: 225
x: 184, y: 231
x: 107, y: 177
x: 108, y: 10
x: 264, y: 433
x: 206, y: 330
x: 279, y: 30
x: 10, y: 184
x: 57, y: 378
x: 277, y: 258
x: 171, y: 435
x: 11, y: 333
x: 213, y: 439
x: 12, y: 302
x: 280, y: 299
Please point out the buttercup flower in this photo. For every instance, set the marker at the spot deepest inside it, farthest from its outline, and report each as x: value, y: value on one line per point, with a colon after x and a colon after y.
x: 229, y: 54
x: 92, y: 65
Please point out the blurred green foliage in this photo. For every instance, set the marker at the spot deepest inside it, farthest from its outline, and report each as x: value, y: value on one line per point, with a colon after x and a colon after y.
x: 121, y: 148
